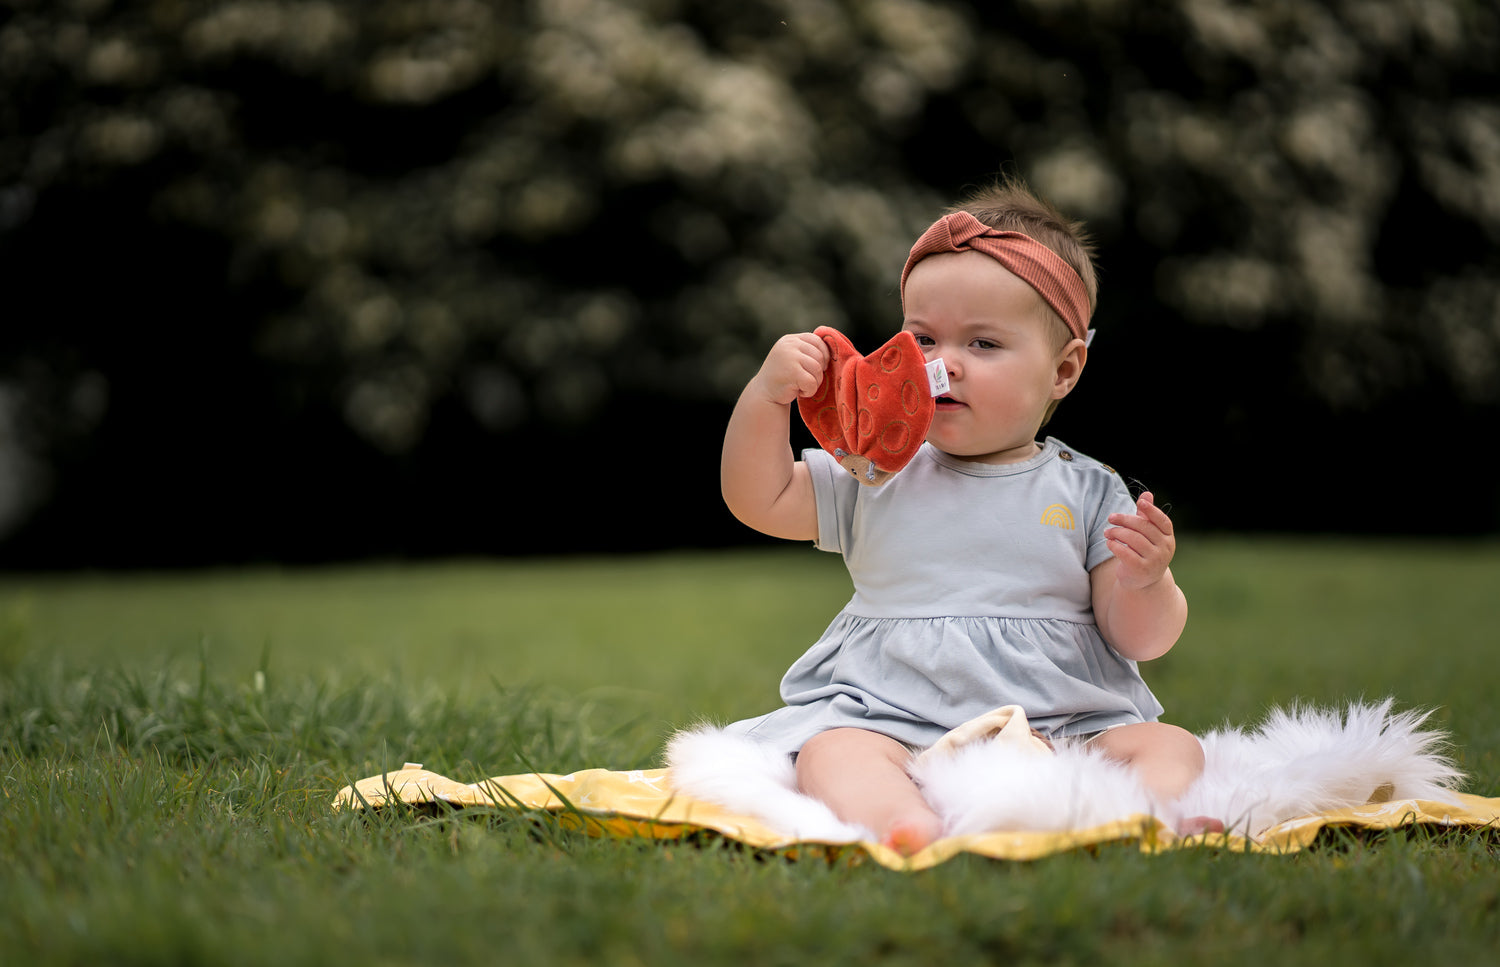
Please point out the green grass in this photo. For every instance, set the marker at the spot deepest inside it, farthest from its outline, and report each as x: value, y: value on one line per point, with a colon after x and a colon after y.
x: 169, y: 745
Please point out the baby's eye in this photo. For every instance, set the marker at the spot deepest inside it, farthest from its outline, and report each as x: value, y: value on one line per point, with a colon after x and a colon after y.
x: 986, y: 344
x: 923, y: 340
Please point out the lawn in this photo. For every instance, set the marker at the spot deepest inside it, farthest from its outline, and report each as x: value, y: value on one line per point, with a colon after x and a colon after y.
x: 169, y: 744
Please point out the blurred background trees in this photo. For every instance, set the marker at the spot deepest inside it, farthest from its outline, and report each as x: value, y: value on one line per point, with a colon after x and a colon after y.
x: 313, y: 280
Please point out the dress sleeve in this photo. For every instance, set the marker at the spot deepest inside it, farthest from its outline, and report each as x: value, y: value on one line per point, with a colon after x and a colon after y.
x: 1111, y: 496
x: 834, y: 492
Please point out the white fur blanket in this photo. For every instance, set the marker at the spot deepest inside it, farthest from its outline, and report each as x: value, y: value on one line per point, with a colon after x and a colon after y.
x: 1298, y: 762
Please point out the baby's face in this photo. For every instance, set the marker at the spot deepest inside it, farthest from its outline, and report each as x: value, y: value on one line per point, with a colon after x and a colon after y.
x: 995, y: 337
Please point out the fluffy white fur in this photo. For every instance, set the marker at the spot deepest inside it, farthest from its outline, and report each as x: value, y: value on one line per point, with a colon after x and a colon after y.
x: 752, y: 779
x: 1298, y: 762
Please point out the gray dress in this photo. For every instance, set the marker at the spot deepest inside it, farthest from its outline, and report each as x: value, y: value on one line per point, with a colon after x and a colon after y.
x: 971, y: 591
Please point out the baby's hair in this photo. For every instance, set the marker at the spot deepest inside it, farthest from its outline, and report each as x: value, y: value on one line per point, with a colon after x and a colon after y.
x: 1009, y: 204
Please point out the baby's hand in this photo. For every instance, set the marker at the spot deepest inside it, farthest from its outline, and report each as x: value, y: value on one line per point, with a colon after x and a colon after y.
x: 1142, y: 542
x: 793, y: 368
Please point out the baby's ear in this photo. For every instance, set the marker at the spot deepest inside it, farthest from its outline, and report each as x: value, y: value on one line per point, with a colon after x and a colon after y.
x: 1070, y: 362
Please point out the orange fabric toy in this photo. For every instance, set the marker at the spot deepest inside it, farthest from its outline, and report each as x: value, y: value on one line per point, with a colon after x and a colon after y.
x: 871, y: 412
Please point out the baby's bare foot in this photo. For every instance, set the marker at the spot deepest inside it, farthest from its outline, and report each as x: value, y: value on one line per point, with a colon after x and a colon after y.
x: 910, y: 836
x: 1198, y: 825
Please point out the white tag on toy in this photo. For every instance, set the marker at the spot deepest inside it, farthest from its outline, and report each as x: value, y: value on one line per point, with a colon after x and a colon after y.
x: 937, y: 377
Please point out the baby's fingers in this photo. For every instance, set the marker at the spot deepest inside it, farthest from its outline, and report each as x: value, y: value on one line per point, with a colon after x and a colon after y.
x: 1147, y: 508
x: 1125, y: 543
x: 1149, y: 521
x: 813, y: 367
x: 1137, y: 525
x: 794, y: 367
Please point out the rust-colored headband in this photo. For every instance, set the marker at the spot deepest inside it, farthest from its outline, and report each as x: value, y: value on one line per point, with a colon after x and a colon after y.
x: 1031, y: 261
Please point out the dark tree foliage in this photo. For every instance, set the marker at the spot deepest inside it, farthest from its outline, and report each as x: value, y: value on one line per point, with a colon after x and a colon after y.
x: 310, y: 280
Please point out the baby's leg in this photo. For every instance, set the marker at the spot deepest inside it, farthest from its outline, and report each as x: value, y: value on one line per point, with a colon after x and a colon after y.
x: 862, y: 777
x: 1168, y: 759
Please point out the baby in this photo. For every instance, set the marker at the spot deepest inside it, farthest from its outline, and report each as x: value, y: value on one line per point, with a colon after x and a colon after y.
x: 994, y: 569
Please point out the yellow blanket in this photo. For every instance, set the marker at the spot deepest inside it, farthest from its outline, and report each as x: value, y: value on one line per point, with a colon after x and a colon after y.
x: 642, y: 803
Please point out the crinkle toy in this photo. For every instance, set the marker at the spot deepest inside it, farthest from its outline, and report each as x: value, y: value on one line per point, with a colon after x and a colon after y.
x: 871, y: 412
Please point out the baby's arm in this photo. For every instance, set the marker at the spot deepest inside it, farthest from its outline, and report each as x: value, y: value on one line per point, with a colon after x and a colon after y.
x: 763, y: 484
x: 1139, y: 607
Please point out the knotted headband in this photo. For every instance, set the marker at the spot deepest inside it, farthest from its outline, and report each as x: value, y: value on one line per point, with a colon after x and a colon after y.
x: 1031, y: 261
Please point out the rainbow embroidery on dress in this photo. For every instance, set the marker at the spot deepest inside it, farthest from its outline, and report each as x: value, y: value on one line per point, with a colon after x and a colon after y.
x: 1058, y: 515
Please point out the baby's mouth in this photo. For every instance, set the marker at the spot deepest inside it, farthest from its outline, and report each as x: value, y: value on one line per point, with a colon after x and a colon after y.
x: 947, y: 403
